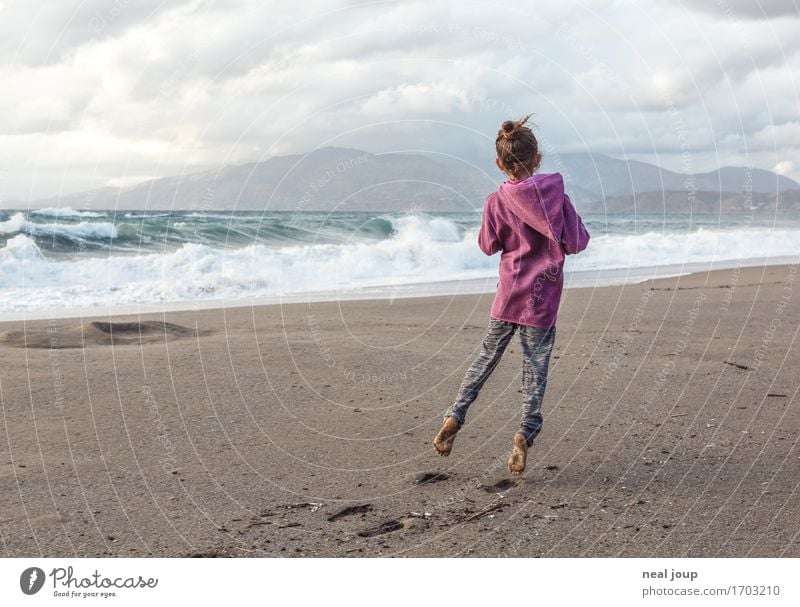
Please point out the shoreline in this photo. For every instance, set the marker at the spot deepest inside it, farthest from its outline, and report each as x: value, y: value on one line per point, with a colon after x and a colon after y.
x: 477, y: 286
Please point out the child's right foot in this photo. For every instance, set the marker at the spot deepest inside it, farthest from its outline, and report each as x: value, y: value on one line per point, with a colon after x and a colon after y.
x: 443, y: 441
x: 519, y: 453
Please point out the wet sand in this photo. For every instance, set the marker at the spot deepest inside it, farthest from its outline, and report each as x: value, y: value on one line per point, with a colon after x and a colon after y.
x: 672, y: 422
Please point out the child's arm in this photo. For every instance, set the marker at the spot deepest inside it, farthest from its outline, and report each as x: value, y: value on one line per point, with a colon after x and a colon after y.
x: 488, y: 241
x: 574, y: 236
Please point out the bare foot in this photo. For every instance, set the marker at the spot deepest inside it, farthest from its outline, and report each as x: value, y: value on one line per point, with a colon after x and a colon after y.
x: 519, y: 454
x: 443, y: 441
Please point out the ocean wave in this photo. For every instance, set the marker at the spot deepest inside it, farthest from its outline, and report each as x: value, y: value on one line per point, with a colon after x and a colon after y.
x: 65, y: 212
x: 227, y: 216
x: 85, y: 229
x: 422, y: 250
x: 650, y: 249
x: 418, y: 249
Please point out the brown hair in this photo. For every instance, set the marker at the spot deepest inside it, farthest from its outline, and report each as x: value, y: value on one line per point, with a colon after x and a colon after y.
x: 517, y: 148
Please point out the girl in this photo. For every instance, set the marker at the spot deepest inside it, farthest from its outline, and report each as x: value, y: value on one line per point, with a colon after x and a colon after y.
x: 533, y: 222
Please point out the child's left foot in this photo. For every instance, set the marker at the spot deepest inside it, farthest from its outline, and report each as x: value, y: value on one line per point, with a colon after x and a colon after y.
x: 443, y: 441
x: 519, y: 455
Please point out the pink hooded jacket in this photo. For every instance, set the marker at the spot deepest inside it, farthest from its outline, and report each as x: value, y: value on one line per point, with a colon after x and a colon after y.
x: 533, y: 222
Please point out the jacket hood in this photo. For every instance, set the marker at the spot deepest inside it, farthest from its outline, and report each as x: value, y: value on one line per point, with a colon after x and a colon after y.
x: 537, y: 201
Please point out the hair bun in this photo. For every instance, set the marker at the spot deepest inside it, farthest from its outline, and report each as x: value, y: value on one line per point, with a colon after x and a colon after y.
x: 509, y: 127
x: 517, y: 148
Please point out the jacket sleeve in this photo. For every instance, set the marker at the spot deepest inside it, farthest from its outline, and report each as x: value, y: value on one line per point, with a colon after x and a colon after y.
x: 488, y: 241
x: 574, y: 236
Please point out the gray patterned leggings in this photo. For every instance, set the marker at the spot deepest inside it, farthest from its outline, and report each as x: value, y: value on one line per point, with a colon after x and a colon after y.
x: 537, y: 344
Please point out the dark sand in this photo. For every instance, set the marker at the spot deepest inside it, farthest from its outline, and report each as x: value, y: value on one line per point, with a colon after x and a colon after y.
x: 672, y: 422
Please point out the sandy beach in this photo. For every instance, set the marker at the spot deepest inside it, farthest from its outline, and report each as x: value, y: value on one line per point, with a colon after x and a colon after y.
x: 672, y: 422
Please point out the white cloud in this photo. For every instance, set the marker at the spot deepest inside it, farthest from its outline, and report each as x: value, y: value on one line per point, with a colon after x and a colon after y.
x: 745, y: 9
x: 96, y: 91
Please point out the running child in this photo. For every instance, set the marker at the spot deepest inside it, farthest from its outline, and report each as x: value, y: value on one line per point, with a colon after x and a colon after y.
x: 534, y: 224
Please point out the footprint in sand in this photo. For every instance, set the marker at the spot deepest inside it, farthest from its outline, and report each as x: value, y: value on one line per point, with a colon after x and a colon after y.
x: 386, y: 527
x: 350, y: 511
x: 501, y: 485
x: 429, y: 478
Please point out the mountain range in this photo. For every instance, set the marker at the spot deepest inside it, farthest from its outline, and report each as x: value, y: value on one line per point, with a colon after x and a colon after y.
x: 341, y: 179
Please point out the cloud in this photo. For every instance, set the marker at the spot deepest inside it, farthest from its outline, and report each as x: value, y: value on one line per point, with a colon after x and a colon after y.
x: 36, y: 33
x: 100, y: 91
x: 746, y: 9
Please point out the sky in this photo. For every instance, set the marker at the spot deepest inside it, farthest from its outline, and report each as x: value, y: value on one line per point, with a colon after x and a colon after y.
x: 114, y: 92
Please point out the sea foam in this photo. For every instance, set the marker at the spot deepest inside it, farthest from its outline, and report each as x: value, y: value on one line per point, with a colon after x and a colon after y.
x: 84, y: 229
x: 414, y: 249
x: 65, y: 212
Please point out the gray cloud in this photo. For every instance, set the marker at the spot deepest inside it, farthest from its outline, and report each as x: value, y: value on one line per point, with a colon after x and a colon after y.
x: 158, y: 88
x: 746, y: 9
x: 37, y: 33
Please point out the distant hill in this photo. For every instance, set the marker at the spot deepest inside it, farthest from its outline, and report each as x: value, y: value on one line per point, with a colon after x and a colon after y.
x: 595, y: 177
x: 328, y: 179
x: 341, y: 179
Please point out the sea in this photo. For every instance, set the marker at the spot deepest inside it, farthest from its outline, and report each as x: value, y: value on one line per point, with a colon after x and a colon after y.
x: 61, y: 262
